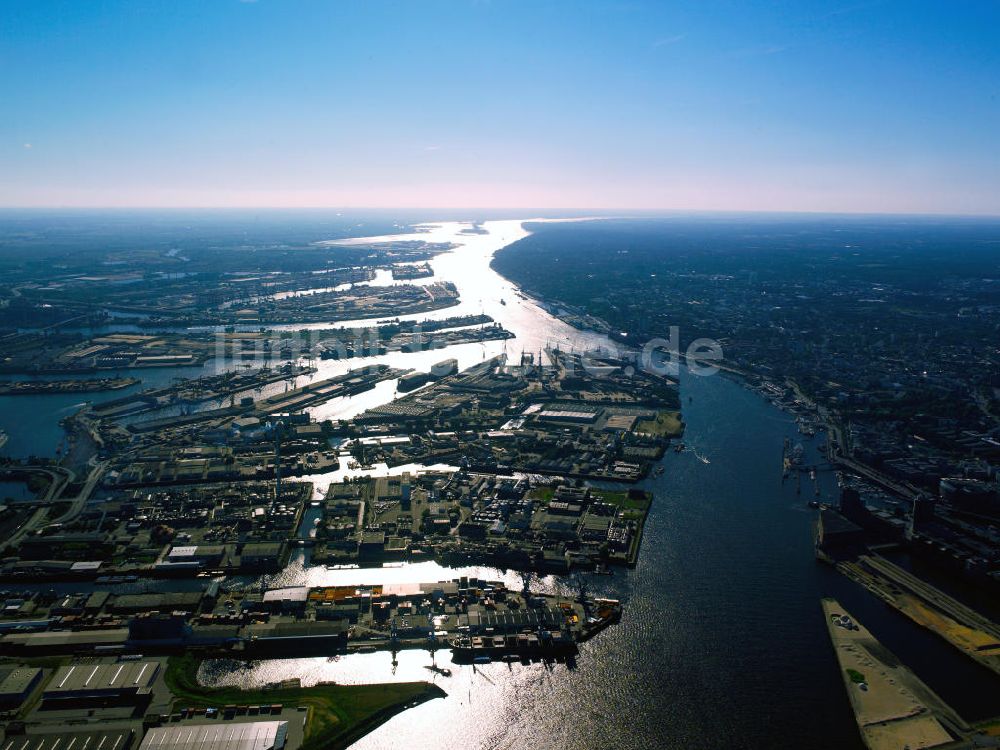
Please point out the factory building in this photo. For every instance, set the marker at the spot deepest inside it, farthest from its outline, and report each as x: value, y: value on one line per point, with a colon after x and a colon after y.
x: 202, y: 554
x: 372, y: 544
x: 109, y: 739
x: 16, y: 685
x: 174, y: 601
x: 296, y: 638
x: 254, y: 735
x: 261, y: 556
x: 568, y: 416
x: 291, y: 600
x: 88, y: 546
x: 120, y: 681
x: 63, y: 641
x: 836, y: 534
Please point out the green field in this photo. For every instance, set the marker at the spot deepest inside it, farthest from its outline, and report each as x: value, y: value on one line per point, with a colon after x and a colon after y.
x: 338, y: 714
x: 542, y: 494
x: 667, y: 424
x: 625, y: 499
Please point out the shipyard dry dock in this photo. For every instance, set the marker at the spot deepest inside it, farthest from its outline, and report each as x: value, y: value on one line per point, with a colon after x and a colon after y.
x: 893, y: 707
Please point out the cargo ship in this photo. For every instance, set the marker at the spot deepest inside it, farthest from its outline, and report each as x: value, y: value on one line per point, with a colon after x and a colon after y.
x: 544, y: 643
x: 474, y: 649
x: 444, y: 368
x: 42, y: 387
x: 413, y: 380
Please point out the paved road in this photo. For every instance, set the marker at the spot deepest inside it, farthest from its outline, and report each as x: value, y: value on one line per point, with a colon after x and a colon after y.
x: 950, y: 606
x: 61, y: 478
x: 76, y: 506
x: 58, y: 479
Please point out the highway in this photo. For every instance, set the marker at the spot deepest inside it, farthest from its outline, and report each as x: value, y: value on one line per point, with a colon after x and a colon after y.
x: 60, y: 479
x: 77, y: 503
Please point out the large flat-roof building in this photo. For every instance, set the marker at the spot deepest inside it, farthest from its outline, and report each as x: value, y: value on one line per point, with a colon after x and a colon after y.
x: 108, y: 739
x: 64, y: 641
x: 16, y: 685
x: 86, y: 546
x: 112, y: 681
x: 202, y: 554
x: 834, y: 533
x: 291, y: 599
x: 297, y: 638
x: 171, y: 601
x: 253, y: 735
x: 572, y: 416
x: 263, y: 556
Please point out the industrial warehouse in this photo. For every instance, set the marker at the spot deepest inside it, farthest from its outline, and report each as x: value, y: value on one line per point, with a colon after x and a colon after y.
x: 111, y: 682
x: 255, y: 735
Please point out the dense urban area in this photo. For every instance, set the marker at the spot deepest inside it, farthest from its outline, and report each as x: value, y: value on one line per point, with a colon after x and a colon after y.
x: 884, y: 335
x: 144, y: 544
x: 197, y: 464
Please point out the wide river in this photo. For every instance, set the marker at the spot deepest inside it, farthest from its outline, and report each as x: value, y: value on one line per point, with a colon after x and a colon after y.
x: 722, y: 642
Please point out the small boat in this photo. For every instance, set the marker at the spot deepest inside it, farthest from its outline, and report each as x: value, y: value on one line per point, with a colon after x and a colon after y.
x: 679, y: 448
x: 657, y: 471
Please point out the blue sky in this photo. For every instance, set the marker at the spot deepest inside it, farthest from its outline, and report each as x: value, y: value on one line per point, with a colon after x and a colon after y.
x: 708, y: 104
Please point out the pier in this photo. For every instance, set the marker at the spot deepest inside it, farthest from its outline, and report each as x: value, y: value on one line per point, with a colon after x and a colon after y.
x: 892, y: 706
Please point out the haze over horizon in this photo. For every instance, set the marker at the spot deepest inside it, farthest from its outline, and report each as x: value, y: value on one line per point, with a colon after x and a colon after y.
x: 870, y: 107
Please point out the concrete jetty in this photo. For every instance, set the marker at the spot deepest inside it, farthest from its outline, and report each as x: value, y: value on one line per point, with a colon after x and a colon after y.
x: 893, y: 707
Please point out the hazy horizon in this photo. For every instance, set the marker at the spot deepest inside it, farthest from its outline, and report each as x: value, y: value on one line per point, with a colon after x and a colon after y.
x: 817, y: 106
x: 493, y: 213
